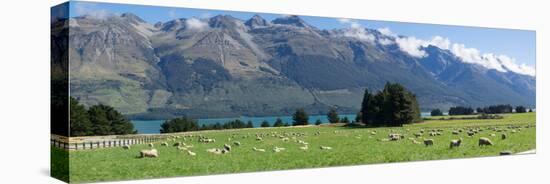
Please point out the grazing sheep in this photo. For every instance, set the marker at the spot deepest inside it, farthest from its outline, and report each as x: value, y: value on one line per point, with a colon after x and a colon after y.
x: 433, y: 134
x: 149, y: 153
x: 492, y: 135
x: 416, y: 142
x: 506, y: 153
x: 277, y: 149
x: 428, y: 142
x: 237, y: 143
x: 483, y: 141
x: 455, y: 132
x: 302, y: 142
x: 373, y: 133
x: 304, y: 147
x: 126, y: 146
x: 259, y: 138
x: 470, y: 133
x: 503, y: 136
x: 417, y: 135
x: 182, y: 148
x: 256, y: 149
x: 151, y: 145
x: 455, y: 143
x: 285, y: 139
x: 214, y: 150
x: 326, y: 148
x: 227, y: 147
x: 189, y: 152
x: 177, y: 144
x: 164, y: 144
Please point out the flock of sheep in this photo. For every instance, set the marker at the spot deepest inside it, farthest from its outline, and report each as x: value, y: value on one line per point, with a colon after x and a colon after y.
x: 298, y: 139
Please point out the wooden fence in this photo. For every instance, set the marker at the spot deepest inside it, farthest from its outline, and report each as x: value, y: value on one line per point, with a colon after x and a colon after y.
x: 87, y: 143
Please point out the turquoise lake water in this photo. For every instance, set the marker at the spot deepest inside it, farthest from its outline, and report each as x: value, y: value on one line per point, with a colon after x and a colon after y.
x: 153, y: 126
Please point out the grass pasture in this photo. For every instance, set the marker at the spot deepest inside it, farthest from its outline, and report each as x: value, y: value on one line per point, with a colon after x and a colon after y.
x: 350, y: 146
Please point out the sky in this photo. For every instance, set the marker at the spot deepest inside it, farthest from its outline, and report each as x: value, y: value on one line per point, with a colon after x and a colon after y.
x: 517, y: 45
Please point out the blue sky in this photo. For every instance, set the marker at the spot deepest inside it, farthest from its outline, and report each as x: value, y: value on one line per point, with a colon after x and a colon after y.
x: 518, y: 44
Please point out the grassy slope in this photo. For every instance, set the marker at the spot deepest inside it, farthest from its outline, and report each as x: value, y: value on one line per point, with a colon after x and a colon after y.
x: 351, y: 146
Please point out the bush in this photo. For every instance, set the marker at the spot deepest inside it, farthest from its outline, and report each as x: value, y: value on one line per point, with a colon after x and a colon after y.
x: 278, y: 123
x: 265, y: 124
x: 318, y: 122
x: 459, y: 110
x: 332, y: 116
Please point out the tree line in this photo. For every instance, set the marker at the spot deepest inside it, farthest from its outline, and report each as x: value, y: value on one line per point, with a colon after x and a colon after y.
x: 492, y: 109
x: 97, y: 120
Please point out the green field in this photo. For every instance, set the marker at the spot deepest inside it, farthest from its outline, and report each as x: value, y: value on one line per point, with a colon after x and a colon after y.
x: 350, y: 146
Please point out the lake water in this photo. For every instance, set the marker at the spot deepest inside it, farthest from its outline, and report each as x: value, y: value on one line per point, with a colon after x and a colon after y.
x: 153, y: 126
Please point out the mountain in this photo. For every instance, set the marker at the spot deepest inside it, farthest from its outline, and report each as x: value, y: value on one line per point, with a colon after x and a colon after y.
x: 226, y: 67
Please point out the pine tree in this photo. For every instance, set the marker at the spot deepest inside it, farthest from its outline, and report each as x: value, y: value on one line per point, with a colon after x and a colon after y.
x: 264, y: 124
x: 332, y: 116
x: 300, y: 117
x: 278, y: 123
x: 80, y: 124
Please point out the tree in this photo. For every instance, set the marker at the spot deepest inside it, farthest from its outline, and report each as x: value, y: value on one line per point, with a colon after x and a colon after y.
x: 107, y: 121
x: 278, y: 123
x: 182, y: 124
x: 359, y: 117
x: 286, y: 124
x: 318, y: 122
x: 80, y: 124
x: 436, y: 112
x: 459, y: 110
x: 264, y: 124
x: 345, y: 120
x: 300, y: 117
x: 249, y: 124
x: 393, y: 106
x: 332, y: 116
x: 521, y: 109
x: 530, y: 110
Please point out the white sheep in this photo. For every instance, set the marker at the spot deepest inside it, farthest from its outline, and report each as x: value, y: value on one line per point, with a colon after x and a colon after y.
x: 189, y: 152
x: 164, y: 144
x: 483, y: 141
x: 304, y: 147
x: 455, y: 143
x: 326, y: 148
x: 149, y: 153
x: 257, y: 149
x: 237, y: 143
x: 227, y: 147
x: 277, y: 149
x: 151, y: 145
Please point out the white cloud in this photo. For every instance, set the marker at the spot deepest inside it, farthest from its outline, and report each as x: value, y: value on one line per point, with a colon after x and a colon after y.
x: 387, y: 32
x: 411, y: 45
x: 500, y: 63
x: 196, y: 24
x: 90, y: 10
x: 355, y: 30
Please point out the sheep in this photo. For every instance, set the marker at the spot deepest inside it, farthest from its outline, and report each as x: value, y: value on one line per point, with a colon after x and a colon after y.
x: 237, y: 143
x: 492, y: 135
x: 455, y: 132
x: 151, y: 145
x: 325, y: 148
x: 227, y: 147
x: 503, y: 136
x: 373, y: 133
x: 416, y: 142
x: 483, y: 141
x: 304, y: 147
x: 470, y: 133
x: 428, y: 142
x: 126, y: 146
x: 455, y: 143
x: 214, y: 150
x: 189, y: 152
x: 164, y: 144
x: 433, y: 134
x: 285, y: 139
x: 257, y: 149
x: 417, y: 135
x: 259, y: 139
x: 277, y: 149
x: 182, y: 148
x: 149, y: 153
x: 302, y: 142
x: 177, y: 144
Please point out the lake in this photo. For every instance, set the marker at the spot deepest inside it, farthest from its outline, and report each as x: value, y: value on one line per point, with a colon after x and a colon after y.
x: 153, y: 126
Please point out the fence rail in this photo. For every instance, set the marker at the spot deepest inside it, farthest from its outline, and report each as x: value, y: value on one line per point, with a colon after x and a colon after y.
x: 83, y: 143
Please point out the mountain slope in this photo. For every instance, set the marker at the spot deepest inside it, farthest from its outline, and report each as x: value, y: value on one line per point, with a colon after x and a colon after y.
x: 223, y: 66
